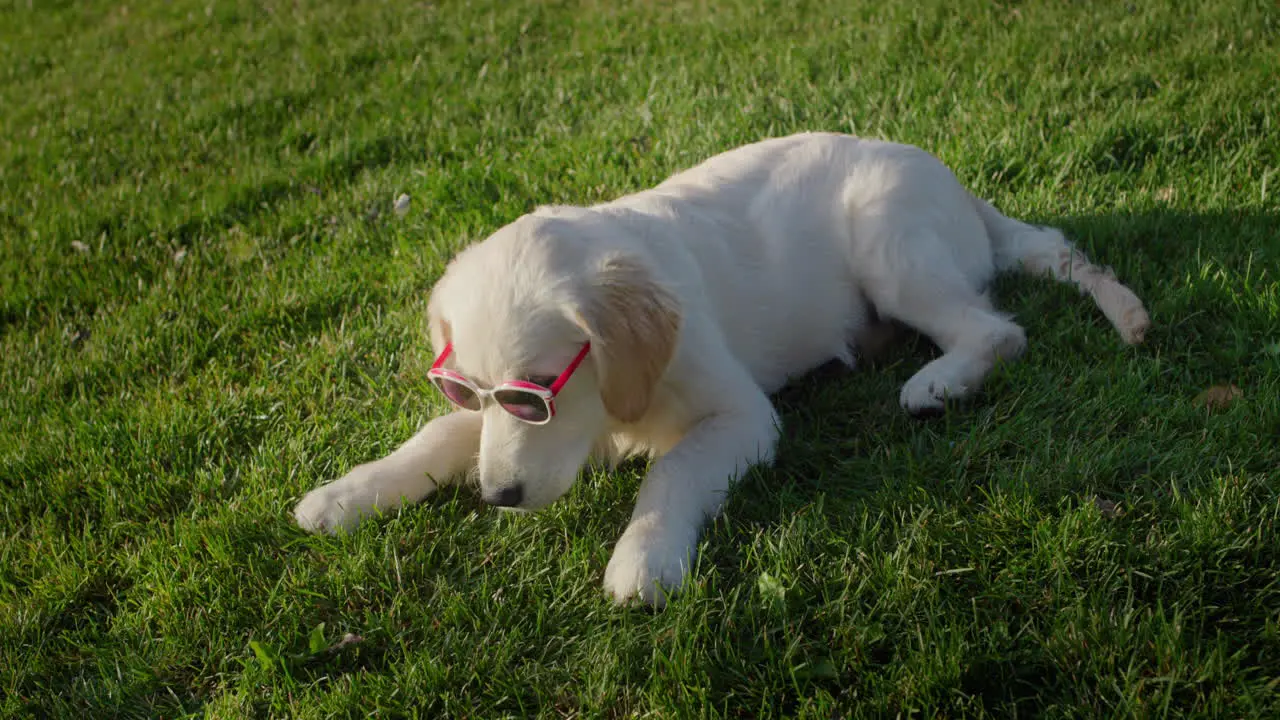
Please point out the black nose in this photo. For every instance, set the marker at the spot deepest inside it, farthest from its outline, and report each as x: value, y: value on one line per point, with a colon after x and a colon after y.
x: 506, y: 497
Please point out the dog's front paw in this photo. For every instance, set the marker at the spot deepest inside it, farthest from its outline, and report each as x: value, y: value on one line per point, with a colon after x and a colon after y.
x: 331, y: 508
x: 649, y: 561
x: 341, y: 504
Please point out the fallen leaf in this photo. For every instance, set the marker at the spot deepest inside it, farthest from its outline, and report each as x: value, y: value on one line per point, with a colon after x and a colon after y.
x: 315, y: 641
x: 78, y: 336
x: 346, y: 641
x: 402, y: 205
x: 239, y: 249
x: 267, y: 655
x: 1219, y: 397
x: 1108, y: 508
x: 771, y: 588
x: 179, y: 256
x: 79, y: 246
x: 1165, y: 194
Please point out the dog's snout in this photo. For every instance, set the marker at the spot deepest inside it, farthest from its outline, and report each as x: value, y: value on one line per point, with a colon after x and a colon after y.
x: 509, y: 496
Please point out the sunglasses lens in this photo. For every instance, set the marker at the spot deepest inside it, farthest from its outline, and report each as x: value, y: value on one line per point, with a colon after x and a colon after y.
x: 458, y: 394
x: 524, y: 405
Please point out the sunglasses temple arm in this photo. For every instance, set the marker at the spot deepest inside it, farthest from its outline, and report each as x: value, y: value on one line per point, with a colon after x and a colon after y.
x: 448, y: 348
x: 568, y: 372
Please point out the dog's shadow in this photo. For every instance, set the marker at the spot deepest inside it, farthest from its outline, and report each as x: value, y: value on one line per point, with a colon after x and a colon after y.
x: 847, y: 449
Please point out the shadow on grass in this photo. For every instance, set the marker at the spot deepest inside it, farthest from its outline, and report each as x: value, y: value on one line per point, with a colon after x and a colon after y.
x: 1159, y: 253
x: 841, y: 426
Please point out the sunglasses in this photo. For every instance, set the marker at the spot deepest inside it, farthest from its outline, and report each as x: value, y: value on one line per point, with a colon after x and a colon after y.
x: 530, y: 402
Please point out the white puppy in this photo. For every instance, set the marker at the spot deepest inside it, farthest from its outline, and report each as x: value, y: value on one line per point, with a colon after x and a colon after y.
x: 693, y: 302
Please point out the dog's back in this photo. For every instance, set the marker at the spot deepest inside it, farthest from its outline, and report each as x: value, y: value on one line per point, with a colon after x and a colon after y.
x: 791, y: 236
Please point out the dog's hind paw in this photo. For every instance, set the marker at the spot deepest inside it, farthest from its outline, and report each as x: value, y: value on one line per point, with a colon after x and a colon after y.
x: 925, y: 396
x: 1133, y: 326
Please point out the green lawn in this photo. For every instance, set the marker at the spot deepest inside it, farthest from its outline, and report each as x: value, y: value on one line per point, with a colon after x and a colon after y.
x: 208, y: 307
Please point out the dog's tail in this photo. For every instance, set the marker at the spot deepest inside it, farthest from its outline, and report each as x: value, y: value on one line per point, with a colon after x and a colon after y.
x: 1044, y: 251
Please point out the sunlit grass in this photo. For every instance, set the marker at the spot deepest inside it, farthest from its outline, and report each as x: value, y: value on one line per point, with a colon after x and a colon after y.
x: 208, y: 307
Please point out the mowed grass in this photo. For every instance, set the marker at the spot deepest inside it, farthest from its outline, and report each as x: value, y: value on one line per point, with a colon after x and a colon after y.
x: 208, y: 307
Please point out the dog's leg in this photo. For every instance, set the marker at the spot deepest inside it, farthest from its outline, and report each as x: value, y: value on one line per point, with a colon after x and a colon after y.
x: 983, y: 340
x: 443, y: 450
x: 1044, y: 251
x: 972, y: 336
x: 683, y: 489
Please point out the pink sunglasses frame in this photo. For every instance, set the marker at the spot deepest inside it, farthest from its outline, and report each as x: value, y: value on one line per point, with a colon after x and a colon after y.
x: 546, y: 394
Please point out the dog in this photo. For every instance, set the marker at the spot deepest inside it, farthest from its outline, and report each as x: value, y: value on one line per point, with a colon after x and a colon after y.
x: 660, y: 323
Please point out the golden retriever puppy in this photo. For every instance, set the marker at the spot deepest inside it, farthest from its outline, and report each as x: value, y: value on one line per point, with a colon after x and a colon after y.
x: 659, y: 324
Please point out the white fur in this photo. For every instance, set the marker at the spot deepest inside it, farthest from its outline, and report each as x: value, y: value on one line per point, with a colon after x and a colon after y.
x: 701, y: 297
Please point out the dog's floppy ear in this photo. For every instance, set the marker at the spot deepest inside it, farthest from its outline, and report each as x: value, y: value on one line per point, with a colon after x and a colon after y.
x: 633, y: 324
x: 437, y: 327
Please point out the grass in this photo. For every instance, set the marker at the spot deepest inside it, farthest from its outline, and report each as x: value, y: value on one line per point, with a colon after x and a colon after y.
x: 207, y: 308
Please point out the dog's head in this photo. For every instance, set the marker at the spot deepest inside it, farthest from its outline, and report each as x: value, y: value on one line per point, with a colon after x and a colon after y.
x: 520, y: 305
